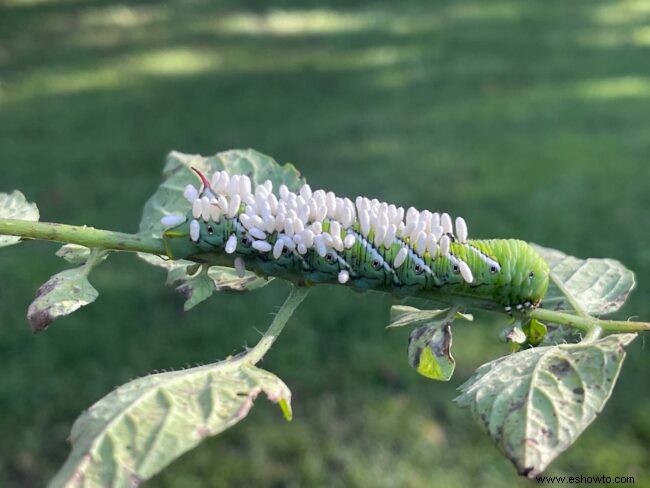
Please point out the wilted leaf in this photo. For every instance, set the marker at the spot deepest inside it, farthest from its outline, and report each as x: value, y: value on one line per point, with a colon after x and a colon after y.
x: 429, y: 351
x: 599, y: 286
x: 14, y: 206
x: 168, y: 199
x: 198, y: 282
x: 429, y: 347
x: 535, y: 403
x: 64, y: 293
x: 135, y: 431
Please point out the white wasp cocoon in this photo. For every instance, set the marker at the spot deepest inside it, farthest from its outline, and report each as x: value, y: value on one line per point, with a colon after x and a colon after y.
x: 278, y: 247
x: 344, y: 276
x: 257, y: 233
x: 421, y: 243
x: 223, y: 203
x: 205, y: 208
x: 195, y: 230
x: 172, y: 220
x: 257, y: 221
x: 214, y: 182
x: 233, y: 187
x: 244, y: 185
x: 191, y: 193
x: 461, y: 229
x: 431, y: 245
x: 224, y: 181
x: 288, y: 227
x: 349, y: 241
x: 262, y: 246
x: 380, y: 234
x: 337, y: 243
x: 215, y: 212
x: 240, y: 267
x: 319, y: 244
x: 231, y: 244
x: 390, y: 235
x: 246, y: 221
x: 197, y: 208
x: 288, y: 242
x: 401, y: 257
x: 307, y: 237
x: 233, y: 206
x: 465, y: 271
x: 444, y: 245
x: 335, y: 228
x: 445, y: 222
x: 305, y: 192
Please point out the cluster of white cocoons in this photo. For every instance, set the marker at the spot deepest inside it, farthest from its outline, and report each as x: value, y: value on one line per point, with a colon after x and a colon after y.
x: 298, y: 220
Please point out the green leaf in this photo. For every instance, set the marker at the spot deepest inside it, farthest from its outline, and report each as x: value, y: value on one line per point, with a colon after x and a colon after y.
x: 597, y: 286
x: 135, y: 431
x: 535, y: 403
x: 429, y: 351
x: 535, y: 332
x: 177, y: 174
x: 168, y: 199
x: 15, y: 206
x: 402, y: 315
x: 64, y: 293
x: 429, y: 346
x: 76, y: 254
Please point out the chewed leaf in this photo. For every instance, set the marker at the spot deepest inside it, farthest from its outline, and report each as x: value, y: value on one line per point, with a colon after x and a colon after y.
x: 61, y: 295
x: 64, y: 293
x: 168, y: 200
x: 132, y: 433
x: 199, y: 282
x: 598, y: 286
x: 535, y: 403
x: 226, y: 279
x: 14, y: 205
x: 429, y: 351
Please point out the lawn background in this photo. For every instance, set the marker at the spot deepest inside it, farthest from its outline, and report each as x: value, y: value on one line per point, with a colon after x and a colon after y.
x: 529, y: 118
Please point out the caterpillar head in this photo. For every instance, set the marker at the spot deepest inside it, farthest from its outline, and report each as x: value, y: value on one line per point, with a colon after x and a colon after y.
x: 523, y: 277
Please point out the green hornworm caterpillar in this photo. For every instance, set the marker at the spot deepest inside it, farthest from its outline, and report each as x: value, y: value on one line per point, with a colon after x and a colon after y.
x: 317, y: 237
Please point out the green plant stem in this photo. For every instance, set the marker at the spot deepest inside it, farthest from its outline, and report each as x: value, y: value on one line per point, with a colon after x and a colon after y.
x: 572, y: 301
x: 295, y: 298
x: 84, y: 236
x: 586, y: 324
x: 118, y: 241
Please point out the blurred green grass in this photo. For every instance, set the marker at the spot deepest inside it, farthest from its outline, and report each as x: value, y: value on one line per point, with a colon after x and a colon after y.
x: 528, y: 118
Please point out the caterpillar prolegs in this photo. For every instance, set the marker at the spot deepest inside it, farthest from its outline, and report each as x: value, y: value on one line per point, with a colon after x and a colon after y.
x: 317, y: 237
